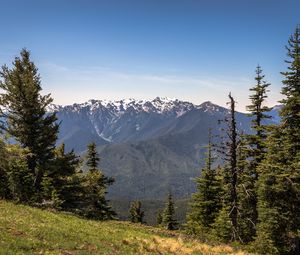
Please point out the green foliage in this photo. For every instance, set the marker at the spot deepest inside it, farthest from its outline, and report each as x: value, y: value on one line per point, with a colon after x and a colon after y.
x: 168, y: 220
x: 222, y: 227
x: 278, y: 193
x: 279, y: 183
x: 258, y: 111
x: 50, y: 195
x: 291, y: 90
x: 251, y: 152
x: 95, y: 185
x: 256, y: 142
x: 206, y: 202
x: 92, y: 157
x: 136, y: 212
x: 96, y: 205
x: 20, y: 178
x: 25, y: 111
x: 67, y: 178
x: 4, y: 188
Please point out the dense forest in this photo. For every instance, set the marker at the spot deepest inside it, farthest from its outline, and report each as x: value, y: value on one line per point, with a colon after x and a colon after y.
x: 252, y: 198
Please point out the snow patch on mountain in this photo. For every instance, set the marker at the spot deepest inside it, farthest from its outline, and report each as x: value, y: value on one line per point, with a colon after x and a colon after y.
x: 115, y: 120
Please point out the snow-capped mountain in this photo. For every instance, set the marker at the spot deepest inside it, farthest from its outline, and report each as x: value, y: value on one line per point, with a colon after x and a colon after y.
x: 149, y: 146
x: 158, y: 105
x: 125, y: 120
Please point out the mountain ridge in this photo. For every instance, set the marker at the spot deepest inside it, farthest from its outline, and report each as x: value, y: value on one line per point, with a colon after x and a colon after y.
x: 149, y: 147
x: 106, y: 118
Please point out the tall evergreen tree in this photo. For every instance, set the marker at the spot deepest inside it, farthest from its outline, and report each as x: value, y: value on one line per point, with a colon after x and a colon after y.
x: 291, y: 90
x: 97, y: 206
x: 230, y: 175
x: 251, y: 152
x: 258, y: 112
x: 24, y: 108
x: 136, y: 212
x: 232, y: 145
x: 168, y: 219
x: 279, y: 182
x: 206, y: 202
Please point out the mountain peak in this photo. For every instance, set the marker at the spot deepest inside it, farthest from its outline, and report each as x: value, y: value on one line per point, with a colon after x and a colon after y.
x: 208, y: 106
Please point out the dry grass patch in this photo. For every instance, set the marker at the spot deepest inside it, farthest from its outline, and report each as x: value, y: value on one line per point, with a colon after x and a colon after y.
x: 178, y: 246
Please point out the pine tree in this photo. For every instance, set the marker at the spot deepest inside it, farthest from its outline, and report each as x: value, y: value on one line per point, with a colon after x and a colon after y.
x: 258, y: 112
x: 222, y: 227
x: 92, y: 157
x: 168, y: 220
x: 136, y: 212
x: 95, y: 186
x: 279, y: 182
x: 251, y: 152
x: 291, y: 90
x: 64, y: 178
x: 206, y: 202
x: 24, y: 108
x: 20, y: 179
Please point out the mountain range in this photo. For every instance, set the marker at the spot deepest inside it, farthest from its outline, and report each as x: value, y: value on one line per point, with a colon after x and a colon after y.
x: 150, y: 147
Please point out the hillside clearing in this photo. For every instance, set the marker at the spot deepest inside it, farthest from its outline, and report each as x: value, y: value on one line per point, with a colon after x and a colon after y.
x: 26, y: 230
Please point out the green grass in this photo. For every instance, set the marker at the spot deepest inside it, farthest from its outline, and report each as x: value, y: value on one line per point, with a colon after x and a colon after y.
x: 27, y: 230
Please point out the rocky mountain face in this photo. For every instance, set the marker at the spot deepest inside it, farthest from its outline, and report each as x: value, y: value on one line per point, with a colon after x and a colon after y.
x: 150, y: 147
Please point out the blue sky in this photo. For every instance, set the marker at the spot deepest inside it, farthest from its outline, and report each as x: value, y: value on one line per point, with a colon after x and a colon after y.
x: 191, y: 50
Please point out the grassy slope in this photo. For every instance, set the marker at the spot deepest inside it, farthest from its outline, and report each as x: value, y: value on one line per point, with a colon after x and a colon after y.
x: 26, y: 230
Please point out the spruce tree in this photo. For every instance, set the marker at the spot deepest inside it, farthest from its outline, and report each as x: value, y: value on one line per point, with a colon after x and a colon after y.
x: 65, y: 179
x: 291, y: 90
x: 279, y: 182
x: 136, y: 212
x: 95, y: 185
x: 20, y: 179
x: 92, y: 157
x: 258, y: 112
x: 168, y: 218
x: 206, y: 202
x: 252, y: 150
x: 24, y: 109
x: 222, y: 227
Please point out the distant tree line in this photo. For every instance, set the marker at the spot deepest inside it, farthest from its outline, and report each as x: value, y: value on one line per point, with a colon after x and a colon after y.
x: 253, y: 198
